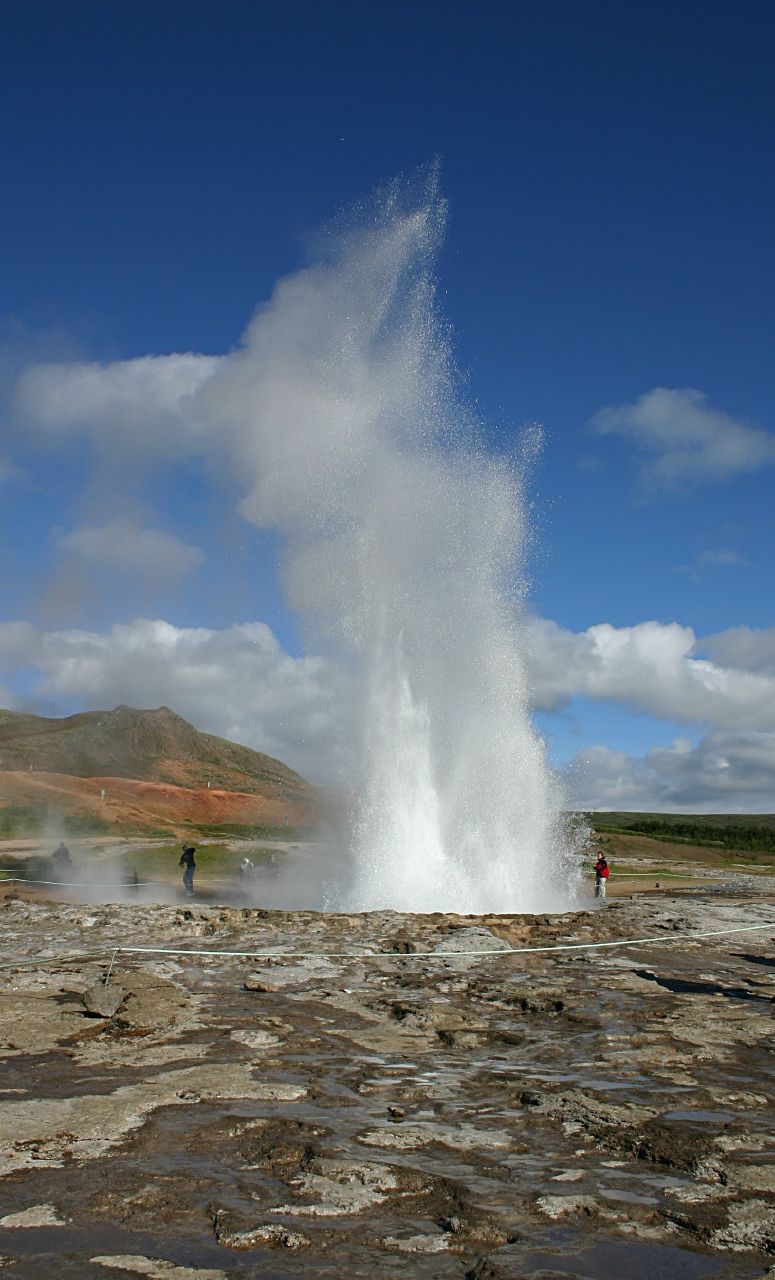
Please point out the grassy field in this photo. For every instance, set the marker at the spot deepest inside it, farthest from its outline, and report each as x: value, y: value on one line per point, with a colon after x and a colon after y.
x: 750, y: 834
x: 158, y: 862
x: 642, y: 862
x: 213, y: 862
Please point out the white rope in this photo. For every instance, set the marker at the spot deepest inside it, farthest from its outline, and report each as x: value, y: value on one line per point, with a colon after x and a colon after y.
x: 442, y: 955
x: 81, y: 884
x: 389, y: 955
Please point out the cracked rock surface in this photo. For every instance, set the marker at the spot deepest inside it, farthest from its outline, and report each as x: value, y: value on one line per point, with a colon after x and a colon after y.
x: 476, y: 1112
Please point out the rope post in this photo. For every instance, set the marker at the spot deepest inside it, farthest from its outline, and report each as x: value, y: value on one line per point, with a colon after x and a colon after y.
x: 110, y: 967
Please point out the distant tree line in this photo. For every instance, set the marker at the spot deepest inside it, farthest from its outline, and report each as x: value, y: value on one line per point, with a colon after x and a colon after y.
x: 736, y: 832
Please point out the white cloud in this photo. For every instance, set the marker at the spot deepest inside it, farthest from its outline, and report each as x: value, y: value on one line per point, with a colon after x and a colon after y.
x: 237, y: 683
x: 744, y: 648
x: 685, y: 439
x: 650, y: 668
x: 140, y: 408
x: 121, y: 545
x: 724, y: 557
x: 724, y: 773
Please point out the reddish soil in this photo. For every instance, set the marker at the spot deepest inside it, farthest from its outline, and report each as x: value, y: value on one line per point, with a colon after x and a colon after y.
x: 136, y: 804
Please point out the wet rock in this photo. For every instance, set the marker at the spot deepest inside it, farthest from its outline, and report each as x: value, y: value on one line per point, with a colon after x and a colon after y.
x: 260, y: 985
x: 103, y: 1001
x: 282, y: 1145
x: 400, y: 944
x: 156, y: 1268
x: 407, y: 1138
x: 564, y: 1206
x: 586, y: 1110
x: 84, y: 1127
x: 673, y: 1145
x: 341, y: 1188
x: 416, y: 1244
x: 741, y: 1225
x: 396, y: 1113
x: 266, y: 1235
x: 484, y: 1269
x: 255, y: 1039
x: 471, y: 940
x: 38, y: 1215
x: 751, y: 1225
x: 542, y: 1002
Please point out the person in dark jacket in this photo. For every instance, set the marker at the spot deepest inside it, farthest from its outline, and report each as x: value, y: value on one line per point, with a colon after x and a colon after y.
x: 189, y: 866
x: 61, y: 859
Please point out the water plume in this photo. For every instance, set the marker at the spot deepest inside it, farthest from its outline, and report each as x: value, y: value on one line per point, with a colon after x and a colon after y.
x: 404, y: 546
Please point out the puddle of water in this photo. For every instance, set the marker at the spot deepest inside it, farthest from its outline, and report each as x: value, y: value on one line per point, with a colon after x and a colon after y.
x: 628, y: 1197
x: 61, y: 1251
x: 703, y: 1117
x: 683, y: 986
x: 632, y: 1258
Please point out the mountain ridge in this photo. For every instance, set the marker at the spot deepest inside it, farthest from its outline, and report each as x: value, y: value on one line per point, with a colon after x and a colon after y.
x: 155, y: 745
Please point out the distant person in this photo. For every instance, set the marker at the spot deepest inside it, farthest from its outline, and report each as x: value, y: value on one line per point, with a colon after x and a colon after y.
x: 61, y: 858
x: 189, y: 866
x: 247, y: 869
x: 602, y: 872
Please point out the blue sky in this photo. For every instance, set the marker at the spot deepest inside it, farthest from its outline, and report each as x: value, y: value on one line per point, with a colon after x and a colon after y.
x: 610, y: 186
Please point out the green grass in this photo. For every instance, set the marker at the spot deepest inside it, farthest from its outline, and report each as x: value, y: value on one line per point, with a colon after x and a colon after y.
x: 213, y: 861
x: 751, y: 834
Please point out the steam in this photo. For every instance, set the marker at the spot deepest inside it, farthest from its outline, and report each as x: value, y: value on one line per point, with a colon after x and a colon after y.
x: 404, y: 544
x: 403, y: 550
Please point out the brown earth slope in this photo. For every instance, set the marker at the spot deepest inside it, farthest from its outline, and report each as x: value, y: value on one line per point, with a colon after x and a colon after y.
x: 155, y: 745
x: 144, y: 769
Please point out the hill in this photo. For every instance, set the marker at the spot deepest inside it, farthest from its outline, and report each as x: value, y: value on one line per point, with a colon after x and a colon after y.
x: 101, y: 770
x: 157, y: 746
x: 742, y: 831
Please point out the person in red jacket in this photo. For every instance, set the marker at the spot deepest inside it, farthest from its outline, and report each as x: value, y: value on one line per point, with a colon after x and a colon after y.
x: 601, y: 875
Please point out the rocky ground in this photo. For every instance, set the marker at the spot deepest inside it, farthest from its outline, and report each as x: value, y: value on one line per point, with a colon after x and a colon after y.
x: 562, y: 1113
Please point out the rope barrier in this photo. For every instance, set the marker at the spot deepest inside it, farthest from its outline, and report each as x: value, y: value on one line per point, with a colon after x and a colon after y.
x: 213, y: 953
x: 80, y: 884
x: 111, y: 884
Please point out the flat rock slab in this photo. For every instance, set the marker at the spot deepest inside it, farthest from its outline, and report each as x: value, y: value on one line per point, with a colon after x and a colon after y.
x: 38, y: 1215
x: 155, y: 1268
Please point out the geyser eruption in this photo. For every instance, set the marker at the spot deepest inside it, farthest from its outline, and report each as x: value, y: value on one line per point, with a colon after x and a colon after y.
x: 404, y: 541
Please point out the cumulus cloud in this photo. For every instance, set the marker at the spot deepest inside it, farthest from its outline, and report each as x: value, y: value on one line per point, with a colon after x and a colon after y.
x: 651, y: 667
x: 684, y: 439
x: 144, y: 407
x: 240, y: 684
x: 122, y: 546
x: 743, y: 648
x: 724, y: 773
x: 237, y: 683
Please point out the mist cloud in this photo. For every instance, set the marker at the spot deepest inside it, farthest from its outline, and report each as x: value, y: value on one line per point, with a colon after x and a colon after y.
x: 124, y: 547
